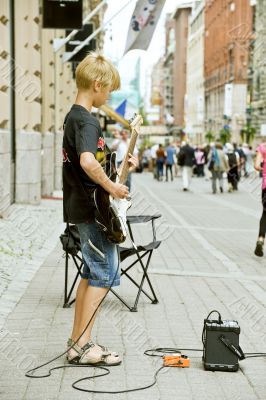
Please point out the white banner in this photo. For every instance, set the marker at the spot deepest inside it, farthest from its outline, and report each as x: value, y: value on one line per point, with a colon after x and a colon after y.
x: 263, y: 130
x: 143, y: 23
x: 228, y: 99
x: 200, y: 108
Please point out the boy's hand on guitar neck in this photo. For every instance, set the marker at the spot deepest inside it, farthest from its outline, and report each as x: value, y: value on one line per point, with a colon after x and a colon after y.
x: 119, y: 191
x: 133, y: 162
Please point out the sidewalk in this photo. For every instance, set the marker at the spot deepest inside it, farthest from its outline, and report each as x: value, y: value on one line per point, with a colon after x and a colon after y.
x: 205, y: 262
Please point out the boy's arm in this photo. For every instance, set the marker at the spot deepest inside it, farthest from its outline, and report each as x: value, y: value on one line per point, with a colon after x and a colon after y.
x: 96, y: 173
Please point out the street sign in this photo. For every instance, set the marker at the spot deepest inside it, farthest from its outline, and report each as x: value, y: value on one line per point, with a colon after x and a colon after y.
x: 81, y: 35
x: 62, y: 14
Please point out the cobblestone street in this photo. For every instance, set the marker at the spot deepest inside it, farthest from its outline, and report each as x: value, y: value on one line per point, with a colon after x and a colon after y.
x: 205, y: 262
x: 27, y: 236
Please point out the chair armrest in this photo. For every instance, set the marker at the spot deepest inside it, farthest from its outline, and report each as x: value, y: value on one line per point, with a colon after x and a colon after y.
x: 139, y: 219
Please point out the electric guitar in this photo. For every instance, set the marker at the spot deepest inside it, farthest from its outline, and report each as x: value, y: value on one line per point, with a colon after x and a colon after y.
x: 111, y: 213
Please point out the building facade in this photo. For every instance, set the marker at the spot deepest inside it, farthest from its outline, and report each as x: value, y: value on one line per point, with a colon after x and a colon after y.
x: 194, y: 104
x: 175, y: 66
x: 228, y: 31
x: 36, y: 91
x: 258, y: 105
x: 157, y: 79
x: 167, y: 104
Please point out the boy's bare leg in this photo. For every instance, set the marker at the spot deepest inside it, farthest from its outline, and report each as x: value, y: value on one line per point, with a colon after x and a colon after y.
x: 83, y: 285
x: 87, y: 300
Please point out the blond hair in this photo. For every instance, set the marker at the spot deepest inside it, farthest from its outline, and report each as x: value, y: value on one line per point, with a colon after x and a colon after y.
x: 95, y: 67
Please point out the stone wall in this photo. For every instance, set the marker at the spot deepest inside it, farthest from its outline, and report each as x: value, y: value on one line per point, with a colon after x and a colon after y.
x: 28, y: 167
x: 5, y: 171
x: 48, y: 169
x: 44, y: 90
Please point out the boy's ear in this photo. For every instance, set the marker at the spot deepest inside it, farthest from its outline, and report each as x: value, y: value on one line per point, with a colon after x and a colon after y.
x: 97, y: 86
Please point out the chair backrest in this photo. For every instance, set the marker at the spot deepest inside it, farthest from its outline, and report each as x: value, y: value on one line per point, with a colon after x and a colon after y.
x: 70, y: 240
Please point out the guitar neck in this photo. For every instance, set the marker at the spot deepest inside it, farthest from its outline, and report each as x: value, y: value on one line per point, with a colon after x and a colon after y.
x: 125, y: 167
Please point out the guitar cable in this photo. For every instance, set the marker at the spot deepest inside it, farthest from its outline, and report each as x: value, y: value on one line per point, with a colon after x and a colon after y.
x: 30, y: 371
x: 106, y: 371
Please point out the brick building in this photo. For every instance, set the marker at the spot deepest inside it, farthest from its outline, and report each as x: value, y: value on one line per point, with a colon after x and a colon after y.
x: 228, y: 31
x: 258, y: 109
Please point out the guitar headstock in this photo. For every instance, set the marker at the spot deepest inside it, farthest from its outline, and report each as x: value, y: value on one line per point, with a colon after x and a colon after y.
x: 136, y: 122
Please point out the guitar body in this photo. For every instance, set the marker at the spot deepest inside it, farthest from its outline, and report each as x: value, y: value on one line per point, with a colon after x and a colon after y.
x: 111, y: 214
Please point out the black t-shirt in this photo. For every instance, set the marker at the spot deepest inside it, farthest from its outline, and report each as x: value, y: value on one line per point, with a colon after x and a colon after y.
x: 82, y: 133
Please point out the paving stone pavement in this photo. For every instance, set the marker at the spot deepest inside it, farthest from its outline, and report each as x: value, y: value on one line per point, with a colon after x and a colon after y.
x: 205, y: 262
x: 27, y: 236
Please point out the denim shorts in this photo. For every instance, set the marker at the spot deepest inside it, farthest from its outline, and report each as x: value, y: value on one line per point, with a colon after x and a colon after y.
x: 100, y: 257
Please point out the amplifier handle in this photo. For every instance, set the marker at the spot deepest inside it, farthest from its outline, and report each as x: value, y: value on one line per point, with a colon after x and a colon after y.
x: 204, y: 325
x: 234, y: 349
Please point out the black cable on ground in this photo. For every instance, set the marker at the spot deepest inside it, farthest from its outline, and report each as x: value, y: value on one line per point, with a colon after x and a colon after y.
x: 29, y: 372
x: 106, y: 371
x: 74, y: 385
x: 163, y: 351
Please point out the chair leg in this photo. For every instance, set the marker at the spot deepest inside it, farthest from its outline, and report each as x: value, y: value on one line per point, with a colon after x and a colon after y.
x: 66, y: 281
x: 153, y: 299
x: 143, y: 278
x: 122, y: 300
x: 67, y: 294
x: 124, y: 272
x: 135, y: 262
x: 136, y: 284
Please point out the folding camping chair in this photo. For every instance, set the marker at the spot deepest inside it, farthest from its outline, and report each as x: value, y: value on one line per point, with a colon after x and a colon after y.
x: 71, y: 245
x: 139, y: 252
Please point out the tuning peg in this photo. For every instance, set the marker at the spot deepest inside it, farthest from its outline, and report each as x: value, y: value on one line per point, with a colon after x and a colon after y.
x: 132, y: 119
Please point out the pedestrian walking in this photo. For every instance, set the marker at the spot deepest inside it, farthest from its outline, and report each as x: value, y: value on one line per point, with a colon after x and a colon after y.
x: 200, y: 161
x: 260, y: 165
x: 186, y: 160
x: 154, y: 148
x: 160, y: 160
x: 233, y: 159
x: 170, y: 160
x: 217, y: 166
x: 249, y: 153
x: 177, y: 150
x: 120, y: 146
x: 242, y: 159
x: 146, y: 158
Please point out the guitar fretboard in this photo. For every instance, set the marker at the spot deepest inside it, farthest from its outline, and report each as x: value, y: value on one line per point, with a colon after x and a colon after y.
x: 125, y: 166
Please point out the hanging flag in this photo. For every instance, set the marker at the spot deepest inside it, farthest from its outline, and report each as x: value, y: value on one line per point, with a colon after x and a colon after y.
x: 121, y: 109
x: 143, y: 23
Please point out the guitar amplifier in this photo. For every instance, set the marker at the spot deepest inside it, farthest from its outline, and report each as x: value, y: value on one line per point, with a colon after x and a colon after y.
x: 221, y: 350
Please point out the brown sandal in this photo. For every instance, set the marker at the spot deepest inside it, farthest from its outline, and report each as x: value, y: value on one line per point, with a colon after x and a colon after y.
x: 74, y: 352
x: 91, y: 353
x: 98, y: 355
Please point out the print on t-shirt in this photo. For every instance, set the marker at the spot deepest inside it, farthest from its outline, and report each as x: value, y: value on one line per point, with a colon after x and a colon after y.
x: 65, y: 156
